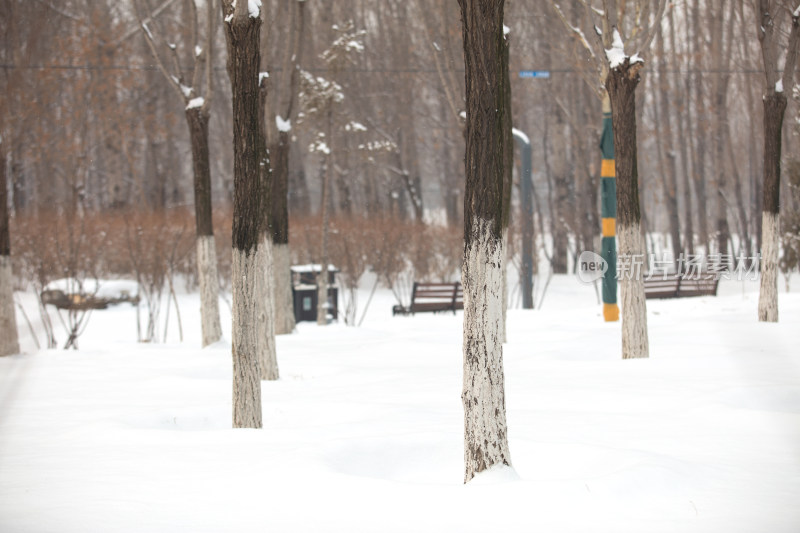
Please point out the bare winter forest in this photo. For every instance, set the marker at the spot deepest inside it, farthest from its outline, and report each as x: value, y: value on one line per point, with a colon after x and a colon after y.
x: 96, y: 98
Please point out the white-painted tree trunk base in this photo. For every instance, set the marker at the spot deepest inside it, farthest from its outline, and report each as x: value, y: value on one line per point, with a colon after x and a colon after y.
x: 483, y: 395
x: 9, y: 340
x: 245, y: 272
x: 635, y: 343
x: 284, y: 302
x: 209, y: 289
x: 266, y: 313
x: 768, y: 292
x: 504, y: 269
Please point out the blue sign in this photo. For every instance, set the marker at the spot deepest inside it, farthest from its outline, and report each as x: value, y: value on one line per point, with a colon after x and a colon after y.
x: 539, y: 74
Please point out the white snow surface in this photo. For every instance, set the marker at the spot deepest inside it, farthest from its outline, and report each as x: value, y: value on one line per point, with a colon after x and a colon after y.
x: 363, y: 432
x: 779, y: 86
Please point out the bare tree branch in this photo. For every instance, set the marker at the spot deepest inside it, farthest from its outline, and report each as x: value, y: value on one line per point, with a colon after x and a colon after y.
x: 150, y: 39
x: 134, y: 30
x: 791, y: 54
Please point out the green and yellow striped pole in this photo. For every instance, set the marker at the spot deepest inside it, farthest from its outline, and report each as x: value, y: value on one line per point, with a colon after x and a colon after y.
x: 608, y: 212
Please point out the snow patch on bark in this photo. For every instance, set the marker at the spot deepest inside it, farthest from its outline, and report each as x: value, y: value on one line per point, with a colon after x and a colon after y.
x: 209, y: 289
x: 768, y: 293
x: 9, y: 341
x: 284, y: 304
x: 265, y: 318
x: 635, y: 343
x: 483, y: 395
x: 283, y: 125
x: 245, y: 272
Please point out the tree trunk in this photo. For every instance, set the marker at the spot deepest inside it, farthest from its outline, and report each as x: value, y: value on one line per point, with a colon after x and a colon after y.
x: 621, y: 85
x: 322, y: 277
x: 242, y: 33
x: 267, y: 350
x: 483, y: 396
x: 700, y: 130
x: 774, y: 108
x: 560, y: 194
x: 720, y: 44
x: 206, y: 248
x: 9, y: 342
x: 284, y: 310
x: 669, y: 177
x: 279, y: 156
x: 266, y: 303
x: 682, y: 99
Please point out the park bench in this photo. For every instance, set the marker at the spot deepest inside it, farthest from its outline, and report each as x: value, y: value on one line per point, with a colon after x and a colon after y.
x: 82, y: 297
x: 680, y: 285
x: 433, y: 298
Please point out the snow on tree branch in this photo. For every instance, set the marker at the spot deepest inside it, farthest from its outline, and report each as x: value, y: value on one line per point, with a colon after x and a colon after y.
x: 344, y: 46
x: 319, y: 145
x: 616, y: 54
x: 317, y: 93
x: 354, y: 126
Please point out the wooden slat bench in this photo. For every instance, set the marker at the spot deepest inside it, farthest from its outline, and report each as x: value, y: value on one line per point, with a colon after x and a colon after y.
x: 680, y: 285
x: 433, y: 298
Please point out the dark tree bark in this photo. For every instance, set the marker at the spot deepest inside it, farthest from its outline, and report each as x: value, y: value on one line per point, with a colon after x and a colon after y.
x: 774, y: 109
x: 242, y: 33
x: 483, y: 396
x: 197, y: 119
x: 279, y: 215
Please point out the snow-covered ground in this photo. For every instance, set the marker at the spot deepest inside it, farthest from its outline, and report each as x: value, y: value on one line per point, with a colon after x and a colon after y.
x: 363, y: 431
